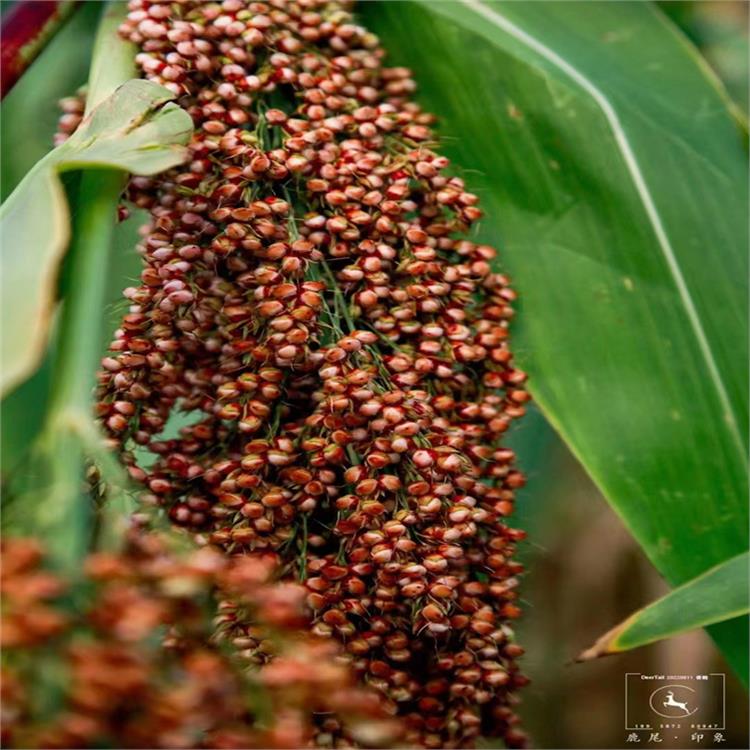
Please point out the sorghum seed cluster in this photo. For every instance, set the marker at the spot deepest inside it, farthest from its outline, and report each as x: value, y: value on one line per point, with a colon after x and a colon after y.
x: 124, y: 686
x: 310, y: 300
x: 72, y: 113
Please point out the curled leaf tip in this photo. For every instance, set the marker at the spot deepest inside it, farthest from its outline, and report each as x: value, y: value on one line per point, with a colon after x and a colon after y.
x: 137, y: 130
x: 605, y: 645
x: 717, y: 595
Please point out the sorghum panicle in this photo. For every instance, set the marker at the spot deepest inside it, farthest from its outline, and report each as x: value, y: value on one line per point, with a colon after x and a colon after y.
x: 140, y: 664
x: 310, y: 299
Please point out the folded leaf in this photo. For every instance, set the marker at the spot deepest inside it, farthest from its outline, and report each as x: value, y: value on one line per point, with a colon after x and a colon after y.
x: 719, y: 594
x: 135, y: 130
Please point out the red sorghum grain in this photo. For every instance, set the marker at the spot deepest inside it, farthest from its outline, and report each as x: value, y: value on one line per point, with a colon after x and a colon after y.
x: 309, y: 299
x: 140, y: 665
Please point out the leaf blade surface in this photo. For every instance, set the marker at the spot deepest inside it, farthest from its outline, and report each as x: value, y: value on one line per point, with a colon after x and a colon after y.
x: 137, y: 129
x: 612, y: 176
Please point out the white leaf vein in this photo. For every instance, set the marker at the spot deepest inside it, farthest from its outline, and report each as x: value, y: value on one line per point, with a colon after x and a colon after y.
x: 628, y: 155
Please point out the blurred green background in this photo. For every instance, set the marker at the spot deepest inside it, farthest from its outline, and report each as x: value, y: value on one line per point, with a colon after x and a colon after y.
x: 584, y: 571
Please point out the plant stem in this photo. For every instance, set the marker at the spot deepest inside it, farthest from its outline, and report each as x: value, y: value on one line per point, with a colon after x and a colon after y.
x: 75, y: 364
x: 113, y: 59
x: 64, y: 516
x: 26, y: 30
x: 341, y: 304
x: 89, y: 260
x: 303, y: 550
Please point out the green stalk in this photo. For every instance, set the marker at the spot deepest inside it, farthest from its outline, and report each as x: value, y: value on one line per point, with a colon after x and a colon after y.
x: 75, y: 364
x: 93, y: 228
x: 64, y: 515
x: 341, y: 305
x: 113, y: 59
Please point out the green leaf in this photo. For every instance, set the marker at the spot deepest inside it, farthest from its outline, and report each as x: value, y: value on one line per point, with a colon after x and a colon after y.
x: 30, y: 112
x: 718, y: 594
x: 45, y: 494
x: 613, y: 179
x: 134, y: 130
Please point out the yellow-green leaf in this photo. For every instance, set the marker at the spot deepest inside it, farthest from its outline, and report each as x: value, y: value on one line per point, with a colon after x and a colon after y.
x: 135, y: 130
x: 719, y: 594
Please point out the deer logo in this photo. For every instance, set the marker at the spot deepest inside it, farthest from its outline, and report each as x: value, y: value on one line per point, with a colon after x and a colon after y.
x: 677, y: 704
x: 673, y: 701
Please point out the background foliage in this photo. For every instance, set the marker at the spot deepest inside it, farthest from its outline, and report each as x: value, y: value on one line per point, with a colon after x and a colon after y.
x: 611, y: 164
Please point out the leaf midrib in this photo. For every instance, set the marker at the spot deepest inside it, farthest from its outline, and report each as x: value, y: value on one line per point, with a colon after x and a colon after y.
x: 644, y: 194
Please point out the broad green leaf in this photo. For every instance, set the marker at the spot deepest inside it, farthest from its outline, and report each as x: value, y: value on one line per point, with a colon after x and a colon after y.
x: 136, y: 130
x: 29, y: 116
x: 719, y: 594
x: 613, y: 180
